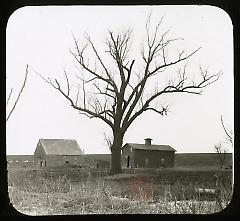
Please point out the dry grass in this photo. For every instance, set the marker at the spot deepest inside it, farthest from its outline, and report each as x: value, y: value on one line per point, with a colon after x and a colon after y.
x: 137, y: 194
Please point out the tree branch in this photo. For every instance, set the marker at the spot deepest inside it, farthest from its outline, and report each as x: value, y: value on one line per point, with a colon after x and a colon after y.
x: 19, y: 94
x: 161, y: 112
x: 101, y: 62
x: 226, y: 132
x: 80, y: 59
x: 83, y: 110
x: 178, y: 88
x: 68, y: 87
x: 9, y: 96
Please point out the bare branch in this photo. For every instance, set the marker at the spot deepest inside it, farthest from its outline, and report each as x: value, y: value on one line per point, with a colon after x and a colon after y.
x: 109, y: 141
x: 79, y: 57
x: 161, y: 112
x: 76, y: 102
x: 226, y: 132
x: 174, y: 62
x: 100, y: 60
x: 9, y: 96
x: 68, y: 88
x: 19, y: 94
x: 180, y: 87
x: 82, y: 110
x: 221, y: 152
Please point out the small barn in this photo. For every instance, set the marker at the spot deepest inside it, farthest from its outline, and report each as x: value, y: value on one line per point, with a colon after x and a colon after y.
x: 147, y: 155
x: 57, y: 152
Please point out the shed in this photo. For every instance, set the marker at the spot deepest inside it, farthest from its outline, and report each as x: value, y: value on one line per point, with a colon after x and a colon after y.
x: 147, y: 155
x: 57, y: 152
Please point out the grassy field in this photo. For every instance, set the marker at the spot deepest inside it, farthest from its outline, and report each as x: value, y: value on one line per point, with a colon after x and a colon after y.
x: 79, y: 191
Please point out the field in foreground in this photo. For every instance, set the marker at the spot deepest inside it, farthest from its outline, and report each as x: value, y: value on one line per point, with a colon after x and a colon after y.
x: 77, y: 191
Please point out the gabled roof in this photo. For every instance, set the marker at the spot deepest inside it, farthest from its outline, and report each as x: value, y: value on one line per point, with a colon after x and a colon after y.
x: 60, y: 147
x: 150, y: 147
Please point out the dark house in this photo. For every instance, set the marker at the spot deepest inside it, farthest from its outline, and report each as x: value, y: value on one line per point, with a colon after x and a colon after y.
x: 147, y: 155
x: 57, y: 152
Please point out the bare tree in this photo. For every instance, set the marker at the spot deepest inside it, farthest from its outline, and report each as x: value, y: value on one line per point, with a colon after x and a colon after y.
x: 118, y: 97
x: 9, y: 97
x: 108, y: 140
x: 221, y: 148
x: 221, y: 153
x: 228, y: 133
x: 223, y: 183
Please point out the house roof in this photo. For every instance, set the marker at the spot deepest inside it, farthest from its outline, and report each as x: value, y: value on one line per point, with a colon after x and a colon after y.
x: 150, y: 147
x: 60, y: 147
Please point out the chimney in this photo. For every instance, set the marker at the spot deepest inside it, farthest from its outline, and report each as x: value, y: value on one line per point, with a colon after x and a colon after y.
x: 148, y: 141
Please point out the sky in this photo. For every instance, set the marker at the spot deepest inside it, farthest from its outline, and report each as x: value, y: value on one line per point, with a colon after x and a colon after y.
x: 42, y: 38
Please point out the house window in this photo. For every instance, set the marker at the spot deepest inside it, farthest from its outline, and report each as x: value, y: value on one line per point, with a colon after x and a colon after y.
x: 41, y: 163
x: 66, y: 162
x: 45, y: 163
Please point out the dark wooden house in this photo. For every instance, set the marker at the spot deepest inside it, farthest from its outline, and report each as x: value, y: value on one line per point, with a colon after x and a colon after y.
x: 57, y: 152
x: 147, y: 155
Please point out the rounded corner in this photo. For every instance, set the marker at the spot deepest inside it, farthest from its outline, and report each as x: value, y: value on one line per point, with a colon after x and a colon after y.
x: 14, y: 14
x: 222, y: 12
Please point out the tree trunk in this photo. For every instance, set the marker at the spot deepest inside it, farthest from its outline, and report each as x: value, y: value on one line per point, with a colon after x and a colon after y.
x: 116, y: 165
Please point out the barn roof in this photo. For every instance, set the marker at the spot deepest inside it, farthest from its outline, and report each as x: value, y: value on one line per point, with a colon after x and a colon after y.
x: 150, y: 147
x: 60, y: 147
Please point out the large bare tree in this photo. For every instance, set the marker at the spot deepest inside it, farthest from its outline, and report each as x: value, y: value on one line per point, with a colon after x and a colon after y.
x: 118, y: 92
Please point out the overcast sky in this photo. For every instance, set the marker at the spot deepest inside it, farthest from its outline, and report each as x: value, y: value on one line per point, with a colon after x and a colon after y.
x: 42, y: 37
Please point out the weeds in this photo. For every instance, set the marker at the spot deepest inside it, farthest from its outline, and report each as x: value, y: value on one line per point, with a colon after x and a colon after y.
x: 48, y: 194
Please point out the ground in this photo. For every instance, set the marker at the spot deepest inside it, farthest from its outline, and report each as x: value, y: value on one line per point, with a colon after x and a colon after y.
x: 91, y: 191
